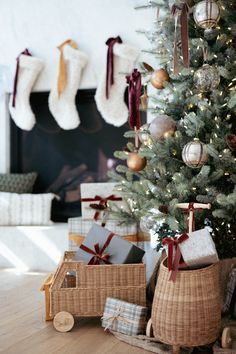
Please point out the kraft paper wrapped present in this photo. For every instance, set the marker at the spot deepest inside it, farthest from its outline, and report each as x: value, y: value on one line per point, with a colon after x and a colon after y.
x: 199, y: 249
x: 79, y: 227
x: 95, y: 197
x: 101, y: 246
x: 124, y: 317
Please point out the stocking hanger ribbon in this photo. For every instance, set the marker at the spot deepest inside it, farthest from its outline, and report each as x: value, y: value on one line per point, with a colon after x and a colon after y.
x: 98, y: 253
x: 25, y: 52
x: 174, y: 253
x: 182, y: 11
x: 134, y: 93
x: 62, y: 75
x: 110, y: 62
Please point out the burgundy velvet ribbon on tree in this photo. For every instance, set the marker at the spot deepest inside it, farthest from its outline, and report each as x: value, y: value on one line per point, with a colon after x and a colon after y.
x: 25, y: 52
x: 173, y: 245
x: 134, y: 93
x: 181, y: 10
x: 110, y: 62
x: 102, y: 205
x: 193, y: 209
x: 98, y: 254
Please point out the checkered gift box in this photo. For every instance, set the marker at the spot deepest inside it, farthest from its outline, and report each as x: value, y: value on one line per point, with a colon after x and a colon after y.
x: 124, y: 317
x: 230, y: 303
x: 79, y: 227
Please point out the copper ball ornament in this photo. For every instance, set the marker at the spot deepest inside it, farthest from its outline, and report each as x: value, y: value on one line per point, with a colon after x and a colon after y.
x: 158, y: 78
x: 206, y: 13
x: 194, y: 154
x: 162, y: 127
x: 135, y: 162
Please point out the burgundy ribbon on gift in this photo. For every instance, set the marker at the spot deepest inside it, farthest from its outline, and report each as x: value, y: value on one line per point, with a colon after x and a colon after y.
x: 110, y: 62
x: 193, y: 209
x: 102, y: 205
x: 98, y: 254
x: 134, y: 93
x: 25, y: 52
x: 173, y: 245
x: 181, y: 10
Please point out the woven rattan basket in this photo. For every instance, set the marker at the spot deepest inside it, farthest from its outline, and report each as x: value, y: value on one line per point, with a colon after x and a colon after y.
x: 187, y: 312
x: 82, y: 289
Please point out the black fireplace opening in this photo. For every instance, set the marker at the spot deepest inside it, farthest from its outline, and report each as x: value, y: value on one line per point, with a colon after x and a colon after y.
x: 64, y: 159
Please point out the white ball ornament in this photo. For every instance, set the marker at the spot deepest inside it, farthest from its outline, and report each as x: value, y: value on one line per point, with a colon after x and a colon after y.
x: 206, y: 13
x: 162, y: 127
x: 195, y: 154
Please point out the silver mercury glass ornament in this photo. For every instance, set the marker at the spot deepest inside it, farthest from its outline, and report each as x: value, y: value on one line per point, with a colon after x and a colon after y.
x: 207, y: 78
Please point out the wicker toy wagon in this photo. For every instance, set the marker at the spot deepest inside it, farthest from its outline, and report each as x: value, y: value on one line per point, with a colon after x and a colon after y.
x: 77, y: 289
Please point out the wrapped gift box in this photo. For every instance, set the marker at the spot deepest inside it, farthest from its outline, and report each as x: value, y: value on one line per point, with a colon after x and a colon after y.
x: 119, y: 250
x: 95, y: 194
x: 79, y: 227
x: 199, y: 249
x: 124, y: 317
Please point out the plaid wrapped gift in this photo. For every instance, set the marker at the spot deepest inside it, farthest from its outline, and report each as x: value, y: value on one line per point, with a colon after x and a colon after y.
x: 79, y: 228
x: 124, y: 317
x: 230, y: 301
x: 95, y: 197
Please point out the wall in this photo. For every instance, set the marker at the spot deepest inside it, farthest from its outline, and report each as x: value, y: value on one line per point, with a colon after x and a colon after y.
x: 41, y: 25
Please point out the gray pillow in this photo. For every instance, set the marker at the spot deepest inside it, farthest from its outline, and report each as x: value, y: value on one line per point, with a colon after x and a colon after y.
x: 17, y: 182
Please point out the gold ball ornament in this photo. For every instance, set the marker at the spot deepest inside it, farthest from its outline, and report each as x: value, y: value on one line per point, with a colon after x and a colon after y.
x: 135, y: 162
x: 194, y: 154
x: 158, y: 78
x: 206, y: 13
x: 162, y: 127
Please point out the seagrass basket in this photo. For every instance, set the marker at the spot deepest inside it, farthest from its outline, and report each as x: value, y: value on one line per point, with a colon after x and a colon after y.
x: 187, y: 312
x: 82, y: 289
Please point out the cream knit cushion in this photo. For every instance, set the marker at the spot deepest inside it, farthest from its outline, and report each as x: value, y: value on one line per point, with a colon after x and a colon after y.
x: 25, y: 209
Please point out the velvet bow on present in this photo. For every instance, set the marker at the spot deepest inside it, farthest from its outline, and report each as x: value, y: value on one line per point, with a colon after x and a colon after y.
x: 174, y: 254
x: 102, y: 205
x: 98, y: 253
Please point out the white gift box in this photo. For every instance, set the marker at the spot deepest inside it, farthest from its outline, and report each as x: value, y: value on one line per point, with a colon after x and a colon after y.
x: 199, y: 249
x: 79, y: 227
x: 102, y: 190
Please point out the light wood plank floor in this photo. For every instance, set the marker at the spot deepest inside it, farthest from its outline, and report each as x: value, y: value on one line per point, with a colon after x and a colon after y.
x: 24, y: 331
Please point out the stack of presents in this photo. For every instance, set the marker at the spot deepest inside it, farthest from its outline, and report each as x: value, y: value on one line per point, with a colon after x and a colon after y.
x: 102, y: 274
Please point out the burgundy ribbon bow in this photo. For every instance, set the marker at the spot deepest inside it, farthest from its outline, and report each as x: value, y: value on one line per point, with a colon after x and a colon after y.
x: 134, y: 93
x: 98, y: 254
x: 102, y: 203
x: 110, y: 62
x: 183, y: 10
x: 173, y: 244
x: 193, y: 209
x: 25, y: 52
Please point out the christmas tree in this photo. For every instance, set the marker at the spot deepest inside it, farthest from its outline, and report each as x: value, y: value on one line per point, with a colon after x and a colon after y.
x: 189, y: 145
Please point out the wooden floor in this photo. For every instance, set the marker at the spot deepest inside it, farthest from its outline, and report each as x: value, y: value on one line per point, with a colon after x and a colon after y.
x: 24, y: 331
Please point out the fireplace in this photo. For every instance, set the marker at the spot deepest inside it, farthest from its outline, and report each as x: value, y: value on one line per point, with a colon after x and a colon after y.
x: 65, y: 159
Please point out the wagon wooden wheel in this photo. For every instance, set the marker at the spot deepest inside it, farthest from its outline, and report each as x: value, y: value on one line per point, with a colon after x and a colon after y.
x: 226, y: 339
x: 63, y: 321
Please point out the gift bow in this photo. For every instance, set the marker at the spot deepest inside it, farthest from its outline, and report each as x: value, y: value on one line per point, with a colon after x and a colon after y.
x: 98, y: 254
x: 25, y: 52
x: 110, y: 62
x: 116, y: 317
x: 102, y: 205
x: 181, y: 11
x: 173, y: 244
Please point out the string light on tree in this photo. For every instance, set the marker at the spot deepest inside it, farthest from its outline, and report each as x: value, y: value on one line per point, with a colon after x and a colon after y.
x: 194, y: 154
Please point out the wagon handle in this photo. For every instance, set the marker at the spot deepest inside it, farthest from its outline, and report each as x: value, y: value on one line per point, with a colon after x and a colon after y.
x: 191, y: 212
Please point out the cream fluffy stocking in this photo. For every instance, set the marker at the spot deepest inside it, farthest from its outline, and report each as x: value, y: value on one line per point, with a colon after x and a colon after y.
x: 113, y: 109
x: 21, y: 113
x: 63, y: 106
